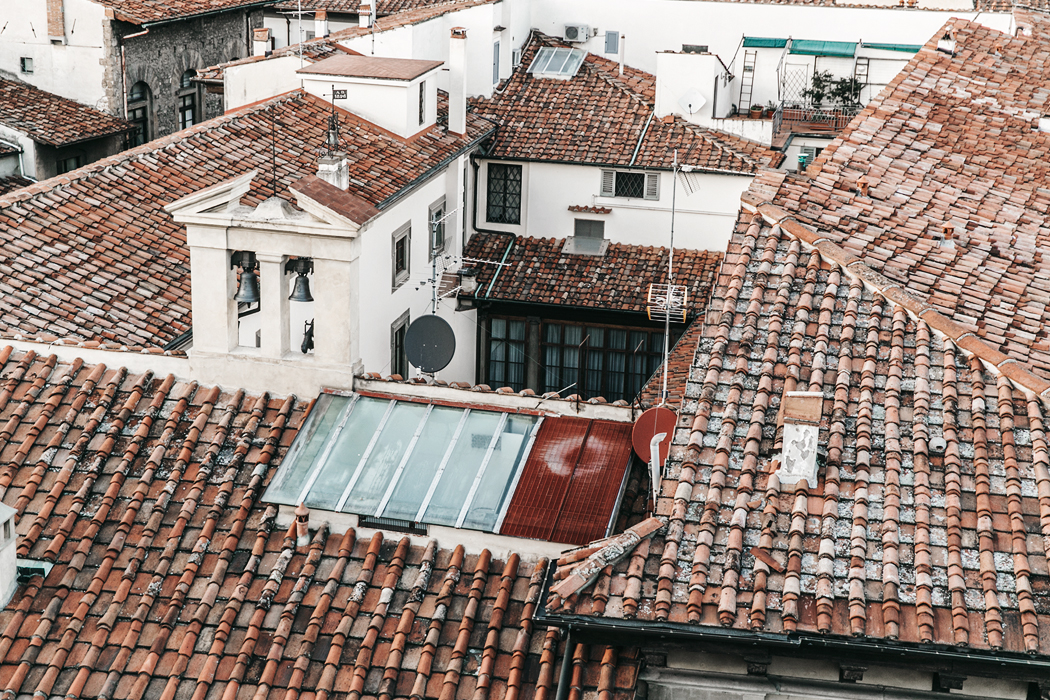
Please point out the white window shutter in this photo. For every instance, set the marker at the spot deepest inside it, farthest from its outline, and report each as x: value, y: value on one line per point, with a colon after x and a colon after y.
x: 652, y: 185
x: 608, y: 183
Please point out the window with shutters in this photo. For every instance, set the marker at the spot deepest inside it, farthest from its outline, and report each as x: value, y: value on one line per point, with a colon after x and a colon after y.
x: 630, y: 184
x: 504, y: 194
x: 400, y: 255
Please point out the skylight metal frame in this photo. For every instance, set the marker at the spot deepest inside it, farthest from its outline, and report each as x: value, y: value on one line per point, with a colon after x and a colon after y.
x: 441, y: 467
x: 496, y: 435
x: 403, y: 463
x: 364, y: 456
x: 316, y: 473
x: 548, y: 56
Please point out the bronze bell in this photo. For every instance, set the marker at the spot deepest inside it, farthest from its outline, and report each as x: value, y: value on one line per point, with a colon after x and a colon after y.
x: 301, y: 289
x: 248, y: 290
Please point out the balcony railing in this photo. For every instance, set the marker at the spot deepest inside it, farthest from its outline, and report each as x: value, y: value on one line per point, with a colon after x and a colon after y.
x: 790, y: 118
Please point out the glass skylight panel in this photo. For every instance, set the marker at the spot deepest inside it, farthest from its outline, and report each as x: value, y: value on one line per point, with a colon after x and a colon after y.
x: 406, y: 460
x: 560, y: 62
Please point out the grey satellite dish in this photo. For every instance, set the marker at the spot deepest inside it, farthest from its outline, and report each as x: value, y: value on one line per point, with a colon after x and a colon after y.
x: 430, y: 343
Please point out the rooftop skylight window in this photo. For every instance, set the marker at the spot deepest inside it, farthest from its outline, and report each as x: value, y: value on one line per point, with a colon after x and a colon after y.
x: 404, y: 460
x: 551, y: 62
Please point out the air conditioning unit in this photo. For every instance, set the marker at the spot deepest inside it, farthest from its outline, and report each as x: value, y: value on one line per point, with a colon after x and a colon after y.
x: 577, y: 32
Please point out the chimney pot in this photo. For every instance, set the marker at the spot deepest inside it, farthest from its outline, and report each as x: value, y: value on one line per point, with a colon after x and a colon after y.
x: 364, y: 16
x: 334, y: 170
x: 261, y: 41
x: 302, y: 525
x: 321, y: 23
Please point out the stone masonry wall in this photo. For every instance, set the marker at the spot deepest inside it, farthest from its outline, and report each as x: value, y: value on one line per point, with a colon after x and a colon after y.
x: 160, y: 57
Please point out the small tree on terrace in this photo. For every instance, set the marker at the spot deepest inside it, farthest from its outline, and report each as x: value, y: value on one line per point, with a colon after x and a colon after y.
x: 819, y: 88
x: 846, y: 92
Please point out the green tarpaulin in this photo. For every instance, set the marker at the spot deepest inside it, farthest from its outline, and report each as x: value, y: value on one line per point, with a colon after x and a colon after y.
x: 810, y: 47
x: 760, y: 42
x: 909, y: 48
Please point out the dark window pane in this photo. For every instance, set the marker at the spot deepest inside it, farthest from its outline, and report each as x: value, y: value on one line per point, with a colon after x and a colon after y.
x: 506, y: 363
x: 504, y: 193
x: 630, y: 184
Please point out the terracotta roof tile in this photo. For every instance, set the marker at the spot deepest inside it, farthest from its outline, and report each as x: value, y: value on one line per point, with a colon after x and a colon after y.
x: 117, y: 265
x: 537, y: 271
x: 600, y: 117
x: 371, y: 67
x: 957, y: 206
x: 382, y: 8
x: 51, y: 119
x: 11, y: 183
x: 150, y: 11
x: 171, y: 579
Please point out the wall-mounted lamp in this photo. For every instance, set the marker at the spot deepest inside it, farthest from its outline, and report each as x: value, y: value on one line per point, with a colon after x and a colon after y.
x: 301, y: 267
x: 248, y: 289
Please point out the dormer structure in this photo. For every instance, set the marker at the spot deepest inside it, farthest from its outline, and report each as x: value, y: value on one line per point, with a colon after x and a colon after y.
x: 397, y: 94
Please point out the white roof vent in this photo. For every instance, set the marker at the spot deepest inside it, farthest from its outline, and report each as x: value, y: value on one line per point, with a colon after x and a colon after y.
x: 1044, y: 124
x: 946, y: 43
x: 798, y: 462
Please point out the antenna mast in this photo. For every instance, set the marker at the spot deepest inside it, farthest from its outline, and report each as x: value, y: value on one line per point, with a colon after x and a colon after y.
x: 670, y: 276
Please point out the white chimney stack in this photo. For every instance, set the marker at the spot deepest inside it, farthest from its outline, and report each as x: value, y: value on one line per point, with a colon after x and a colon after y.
x: 457, y: 81
x: 334, y: 170
x: 260, y: 41
x: 321, y: 23
x: 364, y: 16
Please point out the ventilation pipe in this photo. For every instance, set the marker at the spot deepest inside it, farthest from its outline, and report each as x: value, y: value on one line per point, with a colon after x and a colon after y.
x: 457, y: 81
x: 364, y: 16
x: 321, y: 23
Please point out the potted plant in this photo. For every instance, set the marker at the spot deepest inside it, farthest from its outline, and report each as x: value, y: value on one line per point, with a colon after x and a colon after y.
x: 756, y: 111
x: 819, y: 88
x: 771, y: 108
x: 846, y: 92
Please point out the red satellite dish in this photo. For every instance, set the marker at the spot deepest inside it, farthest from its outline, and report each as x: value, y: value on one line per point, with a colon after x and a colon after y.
x: 658, y: 419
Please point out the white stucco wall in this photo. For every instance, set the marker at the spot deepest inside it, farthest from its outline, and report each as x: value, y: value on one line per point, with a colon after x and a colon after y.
x: 28, y: 149
x: 704, y: 220
x: 381, y: 305
x: 251, y: 82
x: 659, y: 25
x: 73, y: 70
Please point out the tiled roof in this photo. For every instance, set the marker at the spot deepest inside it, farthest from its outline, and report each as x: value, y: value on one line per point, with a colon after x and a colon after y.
x: 50, y: 119
x: 679, y: 363
x: 171, y: 578
x: 150, y: 11
x: 924, y: 523
x: 371, y: 67
x: 382, y: 8
x: 322, y: 47
x: 92, y: 254
x: 10, y: 183
x: 7, y: 149
x: 538, y: 272
x: 950, y: 143
x: 598, y: 118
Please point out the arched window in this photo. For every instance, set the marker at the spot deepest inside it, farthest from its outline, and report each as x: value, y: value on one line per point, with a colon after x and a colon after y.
x: 188, y: 102
x: 139, y: 108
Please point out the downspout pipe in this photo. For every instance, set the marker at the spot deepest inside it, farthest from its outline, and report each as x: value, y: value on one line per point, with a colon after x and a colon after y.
x: 474, y: 224
x: 566, y: 667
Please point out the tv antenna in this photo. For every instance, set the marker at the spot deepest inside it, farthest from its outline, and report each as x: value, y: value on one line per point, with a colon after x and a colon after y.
x: 667, y: 301
x: 331, y: 144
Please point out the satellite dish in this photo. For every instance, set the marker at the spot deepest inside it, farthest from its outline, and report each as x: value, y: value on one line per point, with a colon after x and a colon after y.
x: 430, y: 343
x: 692, y: 101
x: 654, y: 421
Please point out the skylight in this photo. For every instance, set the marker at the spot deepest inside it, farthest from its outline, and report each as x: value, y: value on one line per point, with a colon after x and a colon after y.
x: 551, y: 62
x: 405, y: 460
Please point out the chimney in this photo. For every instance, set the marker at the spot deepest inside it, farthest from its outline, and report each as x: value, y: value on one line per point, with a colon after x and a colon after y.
x: 801, y: 412
x: 457, y: 81
x: 364, y: 16
x: 8, y: 557
x: 260, y: 41
x: 321, y: 23
x: 56, y: 21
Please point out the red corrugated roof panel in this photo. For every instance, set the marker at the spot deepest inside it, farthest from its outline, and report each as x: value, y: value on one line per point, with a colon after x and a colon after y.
x: 570, y: 482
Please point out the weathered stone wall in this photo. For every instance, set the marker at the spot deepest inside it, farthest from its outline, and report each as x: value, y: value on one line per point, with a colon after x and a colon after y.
x: 160, y: 57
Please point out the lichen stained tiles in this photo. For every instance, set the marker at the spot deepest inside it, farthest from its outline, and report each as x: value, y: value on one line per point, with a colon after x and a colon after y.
x: 172, y: 579
x: 925, y: 524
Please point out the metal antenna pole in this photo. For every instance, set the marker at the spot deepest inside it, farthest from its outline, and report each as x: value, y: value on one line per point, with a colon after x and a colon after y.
x: 670, y: 277
x: 433, y: 265
x: 273, y: 148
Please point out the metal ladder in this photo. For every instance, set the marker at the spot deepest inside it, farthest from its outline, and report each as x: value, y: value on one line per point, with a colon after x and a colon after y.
x: 860, y: 70
x: 747, y: 81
